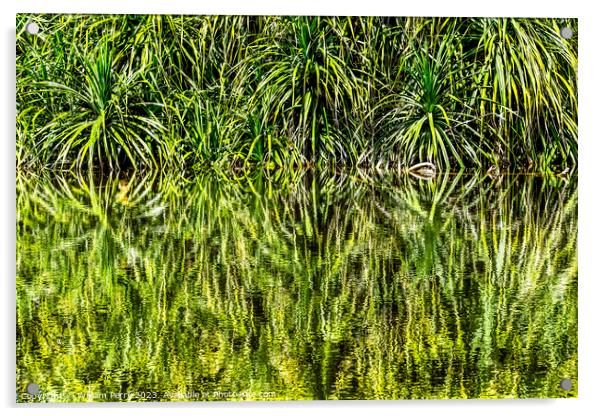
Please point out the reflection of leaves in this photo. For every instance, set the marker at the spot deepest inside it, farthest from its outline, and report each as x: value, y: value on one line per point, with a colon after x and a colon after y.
x: 389, y: 277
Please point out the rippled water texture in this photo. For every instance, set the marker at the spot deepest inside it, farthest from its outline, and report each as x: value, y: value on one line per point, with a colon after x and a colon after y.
x: 319, y: 286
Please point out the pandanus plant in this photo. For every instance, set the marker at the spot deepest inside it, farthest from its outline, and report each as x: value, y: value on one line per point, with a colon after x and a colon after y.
x: 422, y: 121
x: 305, y: 83
x: 100, y: 122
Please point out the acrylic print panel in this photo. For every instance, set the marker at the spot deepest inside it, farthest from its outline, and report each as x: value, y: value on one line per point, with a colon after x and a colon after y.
x: 287, y: 208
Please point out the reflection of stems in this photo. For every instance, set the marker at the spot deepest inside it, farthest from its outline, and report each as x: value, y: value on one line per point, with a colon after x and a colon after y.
x: 335, y: 286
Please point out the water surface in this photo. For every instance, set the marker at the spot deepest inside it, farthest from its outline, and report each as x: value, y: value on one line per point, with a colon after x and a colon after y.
x: 319, y: 286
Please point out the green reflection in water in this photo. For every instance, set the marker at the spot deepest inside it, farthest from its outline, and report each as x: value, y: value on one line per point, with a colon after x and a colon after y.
x: 320, y: 287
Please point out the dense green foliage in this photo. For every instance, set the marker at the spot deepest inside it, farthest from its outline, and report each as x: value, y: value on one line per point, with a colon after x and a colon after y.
x: 187, y: 92
x: 221, y: 204
x: 313, y: 287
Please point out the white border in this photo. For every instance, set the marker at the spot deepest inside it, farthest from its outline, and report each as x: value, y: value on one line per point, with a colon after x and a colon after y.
x: 515, y: 8
x: 590, y: 183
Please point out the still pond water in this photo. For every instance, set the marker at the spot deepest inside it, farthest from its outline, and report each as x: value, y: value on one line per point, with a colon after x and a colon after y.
x: 320, y: 286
